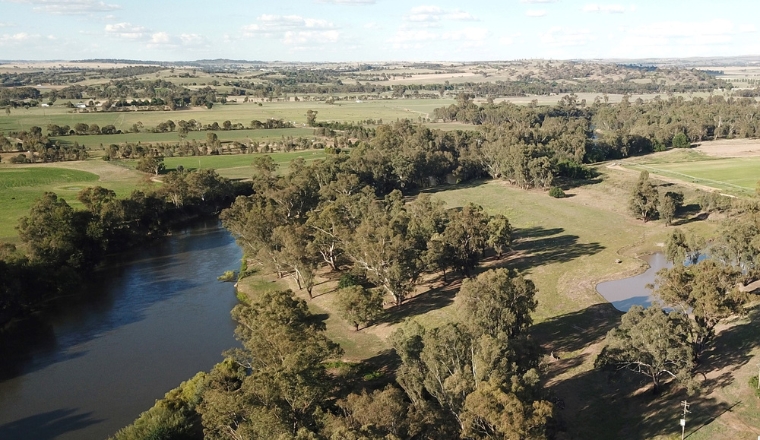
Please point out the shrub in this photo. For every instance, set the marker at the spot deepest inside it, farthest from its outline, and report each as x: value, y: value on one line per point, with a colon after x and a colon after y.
x: 347, y: 280
x: 556, y: 192
x: 753, y: 385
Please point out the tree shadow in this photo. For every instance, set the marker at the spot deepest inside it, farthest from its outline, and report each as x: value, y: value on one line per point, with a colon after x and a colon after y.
x: 449, y: 187
x: 434, y: 299
x: 730, y: 350
x: 567, y: 183
x: 537, y: 246
x: 48, y: 425
x: 601, y: 405
x: 700, y: 216
x: 575, y: 331
x: 620, y: 405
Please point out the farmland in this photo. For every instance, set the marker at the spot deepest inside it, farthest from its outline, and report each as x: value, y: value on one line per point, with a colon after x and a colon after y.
x: 733, y: 175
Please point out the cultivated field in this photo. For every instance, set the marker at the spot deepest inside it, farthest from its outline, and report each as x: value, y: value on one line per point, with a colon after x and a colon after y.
x: 350, y: 111
x: 731, y: 166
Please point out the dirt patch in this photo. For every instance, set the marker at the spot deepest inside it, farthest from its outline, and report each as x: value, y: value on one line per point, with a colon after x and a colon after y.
x: 731, y: 148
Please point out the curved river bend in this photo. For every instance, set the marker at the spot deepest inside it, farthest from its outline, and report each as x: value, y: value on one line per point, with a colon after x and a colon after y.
x: 145, y: 324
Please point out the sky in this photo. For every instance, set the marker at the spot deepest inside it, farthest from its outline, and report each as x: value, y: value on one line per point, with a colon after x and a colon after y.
x: 375, y: 30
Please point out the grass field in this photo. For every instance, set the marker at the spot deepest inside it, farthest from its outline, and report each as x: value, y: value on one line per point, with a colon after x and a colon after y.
x: 238, y: 166
x: 387, y: 110
x: 735, y: 175
x: 95, y: 141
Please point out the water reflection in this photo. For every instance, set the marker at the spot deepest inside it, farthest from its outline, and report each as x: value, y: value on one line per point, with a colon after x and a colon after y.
x: 94, y: 361
x: 627, y: 292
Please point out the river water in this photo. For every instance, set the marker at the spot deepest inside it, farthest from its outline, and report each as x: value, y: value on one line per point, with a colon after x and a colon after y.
x: 627, y: 292
x: 93, y: 363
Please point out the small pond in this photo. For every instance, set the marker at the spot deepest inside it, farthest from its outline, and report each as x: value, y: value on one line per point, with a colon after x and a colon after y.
x: 627, y: 292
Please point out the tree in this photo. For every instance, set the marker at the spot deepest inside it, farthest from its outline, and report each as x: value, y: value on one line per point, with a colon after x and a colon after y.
x: 650, y: 342
x: 668, y: 205
x: 499, y: 234
x: 151, y: 164
x: 466, y: 236
x: 359, y: 306
x: 680, y: 141
x: 311, y: 118
x: 498, y: 302
x: 644, y: 198
x: 680, y: 248
x: 707, y: 291
x: 273, y: 386
x: 50, y: 232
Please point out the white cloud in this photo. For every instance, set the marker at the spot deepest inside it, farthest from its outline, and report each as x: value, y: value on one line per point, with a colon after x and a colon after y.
x: 293, y: 30
x: 562, y: 37
x: 69, y: 7
x: 21, y: 37
x: 277, y: 24
x: 538, y: 1
x: 434, y: 14
x: 610, y: 9
x: 372, y: 25
x: 535, y: 13
x: 6, y: 24
x: 411, y: 39
x: 506, y: 41
x: 127, y: 31
x: 469, y: 34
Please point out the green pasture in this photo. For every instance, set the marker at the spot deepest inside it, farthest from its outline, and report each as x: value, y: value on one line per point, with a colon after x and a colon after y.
x: 19, y: 187
x: 387, y: 110
x: 738, y: 175
x: 94, y: 141
x: 238, y: 166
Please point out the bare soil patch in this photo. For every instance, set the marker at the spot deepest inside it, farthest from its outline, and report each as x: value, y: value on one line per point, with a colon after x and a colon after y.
x: 731, y: 148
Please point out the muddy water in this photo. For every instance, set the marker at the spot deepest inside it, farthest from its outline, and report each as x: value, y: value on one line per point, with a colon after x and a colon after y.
x: 627, y: 292
x: 143, y: 325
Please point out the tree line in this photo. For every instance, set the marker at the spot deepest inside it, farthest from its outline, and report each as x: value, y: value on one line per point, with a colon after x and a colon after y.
x: 64, y: 243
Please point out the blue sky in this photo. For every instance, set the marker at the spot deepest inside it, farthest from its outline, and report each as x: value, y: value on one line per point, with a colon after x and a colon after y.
x: 375, y: 30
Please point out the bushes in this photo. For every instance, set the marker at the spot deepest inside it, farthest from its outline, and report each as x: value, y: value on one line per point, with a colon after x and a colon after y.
x: 556, y: 192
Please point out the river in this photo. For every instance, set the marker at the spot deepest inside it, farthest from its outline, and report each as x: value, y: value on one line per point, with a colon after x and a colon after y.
x: 91, y: 364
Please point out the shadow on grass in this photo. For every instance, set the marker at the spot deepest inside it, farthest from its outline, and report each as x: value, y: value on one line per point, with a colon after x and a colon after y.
x: 450, y: 187
x: 538, y: 246
x: 621, y: 405
x: 434, y: 299
x: 575, y: 331
x: 730, y: 350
